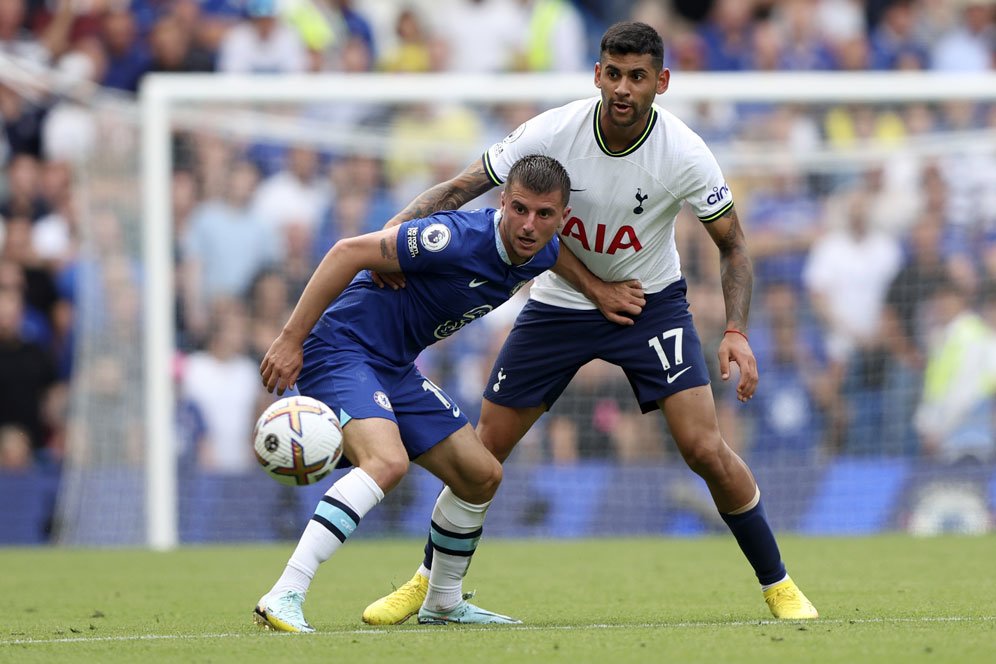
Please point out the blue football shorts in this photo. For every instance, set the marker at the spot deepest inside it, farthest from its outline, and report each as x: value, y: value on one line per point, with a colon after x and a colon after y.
x: 660, y: 354
x: 358, y: 385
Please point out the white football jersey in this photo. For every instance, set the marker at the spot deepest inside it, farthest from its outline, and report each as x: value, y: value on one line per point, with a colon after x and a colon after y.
x: 623, y: 204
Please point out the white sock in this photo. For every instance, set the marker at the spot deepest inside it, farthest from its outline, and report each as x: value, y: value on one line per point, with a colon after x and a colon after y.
x: 456, y: 530
x: 335, y: 519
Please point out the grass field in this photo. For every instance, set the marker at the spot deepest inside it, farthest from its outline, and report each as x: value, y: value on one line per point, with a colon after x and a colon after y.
x: 882, y: 599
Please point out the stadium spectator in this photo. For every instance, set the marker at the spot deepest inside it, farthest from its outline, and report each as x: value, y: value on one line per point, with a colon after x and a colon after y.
x: 727, y: 35
x: 173, y: 49
x: 262, y: 44
x: 128, y: 58
x: 785, y: 420
x: 596, y: 418
x: 555, y: 37
x: 224, y: 248
x: 16, y: 38
x: 15, y: 449
x: 222, y: 381
x: 412, y: 51
x: 804, y: 46
x: 69, y: 129
x: 895, y: 41
x: 293, y: 195
x: 39, y: 287
x: 28, y: 372
x: 466, y: 24
x: 847, y: 274
x: 785, y: 220
x: 21, y: 120
x: 23, y: 196
x: 925, y: 269
x: 955, y: 415
x: 270, y: 304
x: 967, y: 47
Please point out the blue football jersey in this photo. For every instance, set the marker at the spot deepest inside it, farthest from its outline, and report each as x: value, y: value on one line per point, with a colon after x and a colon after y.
x: 456, y: 270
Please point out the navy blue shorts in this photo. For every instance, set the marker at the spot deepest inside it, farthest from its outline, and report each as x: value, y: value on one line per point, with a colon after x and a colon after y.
x: 660, y: 354
x: 357, y: 385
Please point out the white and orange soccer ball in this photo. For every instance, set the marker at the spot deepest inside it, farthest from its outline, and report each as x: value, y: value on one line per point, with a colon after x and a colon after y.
x: 298, y: 440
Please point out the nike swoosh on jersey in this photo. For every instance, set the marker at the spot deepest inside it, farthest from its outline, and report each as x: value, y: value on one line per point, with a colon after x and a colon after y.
x: 671, y: 379
x: 474, y: 283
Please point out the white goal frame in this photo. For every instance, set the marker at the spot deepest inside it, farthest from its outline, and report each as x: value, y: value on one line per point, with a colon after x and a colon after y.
x: 162, y: 96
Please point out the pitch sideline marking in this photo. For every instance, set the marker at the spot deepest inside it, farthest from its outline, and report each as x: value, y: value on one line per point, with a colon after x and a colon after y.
x: 524, y: 628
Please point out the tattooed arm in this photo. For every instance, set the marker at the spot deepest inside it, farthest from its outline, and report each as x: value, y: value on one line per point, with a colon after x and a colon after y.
x: 737, y: 276
x: 449, y: 195
x: 374, y: 251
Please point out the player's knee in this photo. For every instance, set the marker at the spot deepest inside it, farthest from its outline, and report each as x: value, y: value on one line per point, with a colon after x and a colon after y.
x: 704, y: 456
x: 387, y: 470
x: 480, y: 483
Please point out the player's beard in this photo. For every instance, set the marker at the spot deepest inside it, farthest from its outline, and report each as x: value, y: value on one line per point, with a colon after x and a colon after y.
x: 637, y: 113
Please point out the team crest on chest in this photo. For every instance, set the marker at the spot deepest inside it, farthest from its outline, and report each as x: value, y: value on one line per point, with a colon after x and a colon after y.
x: 640, y: 197
x: 435, y: 237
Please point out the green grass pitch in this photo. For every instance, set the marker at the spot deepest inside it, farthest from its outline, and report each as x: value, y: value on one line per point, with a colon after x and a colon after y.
x: 882, y: 599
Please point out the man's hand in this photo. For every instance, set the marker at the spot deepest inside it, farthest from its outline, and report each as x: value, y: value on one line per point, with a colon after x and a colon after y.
x: 395, y: 280
x: 281, y: 364
x: 619, y: 301
x: 734, y: 348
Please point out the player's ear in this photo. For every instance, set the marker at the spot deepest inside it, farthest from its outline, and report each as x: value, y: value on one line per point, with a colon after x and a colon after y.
x: 501, y: 200
x: 598, y: 75
x: 567, y: 212
x: 663, y: 79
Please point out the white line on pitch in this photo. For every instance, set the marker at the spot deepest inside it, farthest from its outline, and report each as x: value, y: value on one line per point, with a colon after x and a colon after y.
x: 519, y: 628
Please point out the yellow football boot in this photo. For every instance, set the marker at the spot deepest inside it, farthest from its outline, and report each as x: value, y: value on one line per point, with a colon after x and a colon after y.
x: 787, y: 602
x: 400, y: 605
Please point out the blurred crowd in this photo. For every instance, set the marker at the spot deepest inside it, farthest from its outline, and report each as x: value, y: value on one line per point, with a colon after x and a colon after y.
x: 874, y: 314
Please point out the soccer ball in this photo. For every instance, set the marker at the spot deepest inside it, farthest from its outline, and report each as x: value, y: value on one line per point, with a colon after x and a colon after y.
x: 298, y: 440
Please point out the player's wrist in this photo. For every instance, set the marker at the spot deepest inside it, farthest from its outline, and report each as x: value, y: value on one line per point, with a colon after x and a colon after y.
x: 733, y: 330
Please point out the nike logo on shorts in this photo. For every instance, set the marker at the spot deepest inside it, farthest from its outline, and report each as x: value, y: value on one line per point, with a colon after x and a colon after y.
x: 474, y: 283
x: 671, y: 379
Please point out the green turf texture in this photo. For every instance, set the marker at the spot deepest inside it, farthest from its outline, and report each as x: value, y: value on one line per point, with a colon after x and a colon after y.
x: 881, y: 599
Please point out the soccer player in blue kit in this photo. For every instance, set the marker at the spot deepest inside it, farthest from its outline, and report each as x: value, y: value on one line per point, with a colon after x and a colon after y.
x: 353, y: 345
x: 633, y: 165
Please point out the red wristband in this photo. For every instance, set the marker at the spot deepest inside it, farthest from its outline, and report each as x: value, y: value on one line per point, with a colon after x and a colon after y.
x: 737, y: 332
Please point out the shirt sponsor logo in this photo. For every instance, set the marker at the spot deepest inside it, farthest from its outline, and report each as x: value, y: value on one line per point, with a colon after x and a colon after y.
x: 444, y: 330
x: 718, y: 194
x: 413, y: 241
x: 624, y: 238
x: 435, y: 237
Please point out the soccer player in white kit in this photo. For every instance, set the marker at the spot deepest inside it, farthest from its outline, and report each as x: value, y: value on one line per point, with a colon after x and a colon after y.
x: 632, y: 165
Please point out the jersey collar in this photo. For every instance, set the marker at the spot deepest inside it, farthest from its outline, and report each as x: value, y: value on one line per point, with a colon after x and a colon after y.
x: 632, y: 147
x: 500, y: 246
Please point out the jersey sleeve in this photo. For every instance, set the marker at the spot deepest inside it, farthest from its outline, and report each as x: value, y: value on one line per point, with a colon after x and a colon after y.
x: 703, y: 186
x: 430, y: 244
x: 530, y: 137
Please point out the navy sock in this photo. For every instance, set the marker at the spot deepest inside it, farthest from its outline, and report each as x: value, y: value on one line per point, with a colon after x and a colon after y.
x: 758, y: 543
x: 427, y: 561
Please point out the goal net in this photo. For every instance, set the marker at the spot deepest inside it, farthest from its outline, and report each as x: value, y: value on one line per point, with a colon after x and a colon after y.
x: 867, y: 200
